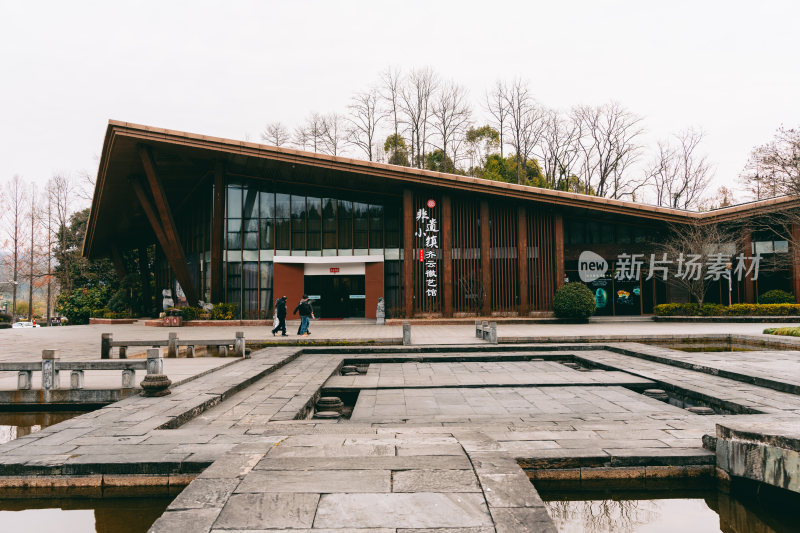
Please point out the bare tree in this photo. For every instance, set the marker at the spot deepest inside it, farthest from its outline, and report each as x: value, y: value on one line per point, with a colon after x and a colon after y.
x: 774, y: 168
x: 450, y: 118
x: 84, y: 186
x: 311, y: 133
x: 722, y: 197
x: 301, y: 138
x: 416, y: 92
x: 333, y: 135
x: 497, y: 106
x: 276, y: 134
x: 365, y: 115
x: 691, y: 249
x: 525, y: 122
x: 558, y: 150
x: 392, y: 82
x: 31, y: 250
x: 60, y: 191
x: 678, y: 173
x: 14, y: 198
x: 609, y: 134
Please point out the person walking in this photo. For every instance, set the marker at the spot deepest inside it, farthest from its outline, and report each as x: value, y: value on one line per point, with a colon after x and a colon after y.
x: 280, y: 314
x: 306, y: 313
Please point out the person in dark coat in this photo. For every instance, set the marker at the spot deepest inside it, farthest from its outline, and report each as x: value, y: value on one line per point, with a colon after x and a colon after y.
x: 306, y: 313
x: 280, y: 313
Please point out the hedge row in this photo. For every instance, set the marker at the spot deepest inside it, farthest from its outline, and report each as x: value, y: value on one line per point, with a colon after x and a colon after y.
x: 724, y: 310
x: 218, y: 312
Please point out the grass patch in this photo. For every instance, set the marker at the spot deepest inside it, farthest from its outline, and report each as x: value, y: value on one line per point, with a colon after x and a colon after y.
x: 788, y: 331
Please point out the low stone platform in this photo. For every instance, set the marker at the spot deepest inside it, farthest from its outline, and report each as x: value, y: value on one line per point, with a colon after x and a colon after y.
x: 767, y: 451
x: 421, y: 452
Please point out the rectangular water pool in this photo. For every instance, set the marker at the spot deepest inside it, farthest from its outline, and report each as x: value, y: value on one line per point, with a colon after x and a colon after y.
x: 662, y: 508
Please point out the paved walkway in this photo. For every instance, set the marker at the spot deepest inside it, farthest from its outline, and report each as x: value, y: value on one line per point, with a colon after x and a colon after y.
x: 83, y: 342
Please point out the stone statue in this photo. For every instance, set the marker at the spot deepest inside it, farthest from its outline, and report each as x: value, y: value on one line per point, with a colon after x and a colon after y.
x: 380, y: 312
x: 166, y: 299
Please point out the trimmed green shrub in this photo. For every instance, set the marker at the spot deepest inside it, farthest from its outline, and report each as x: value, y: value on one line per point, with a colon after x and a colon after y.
x: 108, y: 313
x: 723, y: 310
x: 224, y: 312
x: 574, y: 300
x: 776, y: 296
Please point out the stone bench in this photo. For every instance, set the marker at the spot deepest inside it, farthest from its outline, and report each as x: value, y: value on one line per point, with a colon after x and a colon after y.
x: 486, y: 330
x: 107, y: 343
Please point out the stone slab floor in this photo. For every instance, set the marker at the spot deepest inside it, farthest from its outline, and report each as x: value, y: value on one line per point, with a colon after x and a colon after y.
x: 443, y: 457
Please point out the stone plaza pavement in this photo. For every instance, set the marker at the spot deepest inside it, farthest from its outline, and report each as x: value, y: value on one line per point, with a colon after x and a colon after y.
x: 83, y: 342
x: 446, y: 439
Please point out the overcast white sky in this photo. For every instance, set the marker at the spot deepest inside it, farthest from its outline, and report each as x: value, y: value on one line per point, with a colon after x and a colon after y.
x: 228, y: 68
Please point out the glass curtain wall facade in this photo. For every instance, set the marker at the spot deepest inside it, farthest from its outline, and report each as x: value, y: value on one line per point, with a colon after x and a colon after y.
x: 266, y: 219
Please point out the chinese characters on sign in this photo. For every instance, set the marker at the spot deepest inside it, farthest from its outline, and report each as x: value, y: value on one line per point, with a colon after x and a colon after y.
x: 428, y: 234
x: 687, y: 267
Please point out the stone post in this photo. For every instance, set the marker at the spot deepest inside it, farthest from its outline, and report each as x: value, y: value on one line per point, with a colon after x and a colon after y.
x: 223, y: 350
x: 105, y: 345
x: 123, y: 352
x: 155, y: 364
x: 155, y: 383
x: 128, y: 378
x: 493, y: 333
x: 49, y: 370
x: 24, y: 379
x: 484, y: 329
x: 76, y: 379
x: 238, y: 344
x: 478, y: 330
x: 380, y: 312
x: 406, y: 333
x: 172, y: 346
x: 190, y: 352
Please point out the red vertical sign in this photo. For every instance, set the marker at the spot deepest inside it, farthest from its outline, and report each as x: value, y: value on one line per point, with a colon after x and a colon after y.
x: 421, y: 255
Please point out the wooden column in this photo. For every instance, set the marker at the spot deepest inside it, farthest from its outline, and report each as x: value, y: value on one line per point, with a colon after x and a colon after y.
x: 522, y: 258
x: 144, y: 276
x: 747, y: 248
x: 217, y: 234
x: 408, y: 251
x: 447, y: 255
x: 486, y: 265
x: 174, y: 251
x: 558, y: 243
x: 795, y: 244
x: 373, y: 288
x: 119, y: 263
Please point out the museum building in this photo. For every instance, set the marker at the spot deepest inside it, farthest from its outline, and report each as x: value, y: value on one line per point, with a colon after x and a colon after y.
x: 244, y: 223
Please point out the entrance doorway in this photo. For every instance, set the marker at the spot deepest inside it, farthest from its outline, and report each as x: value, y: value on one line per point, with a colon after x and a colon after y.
x: 336, y: 296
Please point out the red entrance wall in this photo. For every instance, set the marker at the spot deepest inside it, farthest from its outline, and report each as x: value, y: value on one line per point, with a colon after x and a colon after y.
x: 373, y: 287
x: 287, y: 280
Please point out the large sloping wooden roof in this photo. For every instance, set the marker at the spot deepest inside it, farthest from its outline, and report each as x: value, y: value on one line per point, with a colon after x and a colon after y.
x: 185, y: 158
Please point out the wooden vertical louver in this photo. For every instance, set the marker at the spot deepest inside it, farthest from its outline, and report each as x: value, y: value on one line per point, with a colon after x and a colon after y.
x: 468, y: 292
x: 503, y: 258
x: 541, y: 259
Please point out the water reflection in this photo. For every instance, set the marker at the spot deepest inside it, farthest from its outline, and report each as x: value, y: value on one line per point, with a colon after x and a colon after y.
x: 746, y: 509
x: 107, y: 515
x: 14, y: 425
x: 628, y: 516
